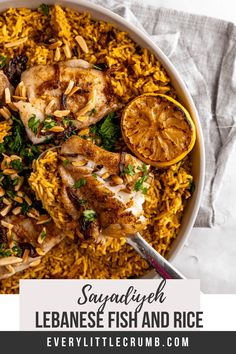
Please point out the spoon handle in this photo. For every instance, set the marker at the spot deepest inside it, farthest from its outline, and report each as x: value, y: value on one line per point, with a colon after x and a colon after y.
x: 165, y: 269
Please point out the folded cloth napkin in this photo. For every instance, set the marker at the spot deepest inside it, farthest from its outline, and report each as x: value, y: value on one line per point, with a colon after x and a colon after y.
x: 203, y: 50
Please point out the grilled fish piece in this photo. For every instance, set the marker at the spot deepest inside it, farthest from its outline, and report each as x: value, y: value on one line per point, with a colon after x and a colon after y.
x: 104, y: 189
x: 47, y: 92
x: 26, y: 232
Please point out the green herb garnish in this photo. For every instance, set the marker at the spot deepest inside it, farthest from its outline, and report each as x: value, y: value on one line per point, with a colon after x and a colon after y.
x: 25, y: 207
x: 94, y: 175
x: 49, y: 123
x: 129, y: 170
x: 97, y: 67
x: 191, y: 187
x: 81, y: 182
x: 82, y: 201
x: 108, y: 130
x: 3, y: 61
x: 17, y: 165
x: 139, y: 184
x: 33, y: 123
x: 143, y: 168
x: 17, y: 250
x: 92, y: 112
x: 43, y: 235
x: 89, y: 215
x: 45, y: 9
x: 66, y: 162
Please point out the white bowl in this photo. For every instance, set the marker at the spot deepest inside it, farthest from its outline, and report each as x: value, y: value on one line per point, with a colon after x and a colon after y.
x: 198, y: 153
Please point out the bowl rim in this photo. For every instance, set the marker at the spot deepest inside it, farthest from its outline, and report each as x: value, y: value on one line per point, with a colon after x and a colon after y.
x: 133, y: 31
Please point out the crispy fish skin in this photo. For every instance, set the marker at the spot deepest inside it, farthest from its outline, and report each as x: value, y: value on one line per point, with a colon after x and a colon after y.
x: 118, y: 208
x: 26, y: 233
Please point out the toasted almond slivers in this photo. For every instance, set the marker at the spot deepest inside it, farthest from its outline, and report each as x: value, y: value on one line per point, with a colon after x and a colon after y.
x: 67, y: 51
x: 10, y: 260
x: 6, y: 210
x: 83, y: 45
x: 57, y: 55
x: 40, y: 251
x: 74, y: 90
x: 56, y: 129
x: 85, y: 131
x: 69, y: 87
x: 43, y: 219
x: 6, y: 201
x: 18, y: 199
x: 82, y: 118
x: 19, y: 98
x: 16, y: 43
x: 16, y: 211
x: 7, y: 95
x: 2, y: 192
x: 4, y: 111
x: 117, y: 179
x: 19, y: 184
x: 106, y: 175
x: 20, y: 194
x: 49, y: 106
x: 60, y: 114
x: 6, y: 224
x: 12, y: 106
x: 79, y: 163
x: 35, y: 263
x: 25, y: 255
x: 28, y: 200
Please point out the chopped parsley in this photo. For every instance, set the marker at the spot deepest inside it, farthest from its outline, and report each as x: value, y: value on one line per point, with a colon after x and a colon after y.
x: 15, y: 181
x: 97, y: 67
x: 89, y: 215
x: 81, y: 182
x: 49, y: 123
x: 43, y: 234
x: 143, y: 168
x: 108, y: 130
x: 82, y: 201
x: 92, y: 112
x: 45, y: 9
x: 66, y: 162
x: 94, y: 175
x: 129, y: 170
x: 33, y: 123
x: 17, y: 165
x: 25, y: 207
x: 17, y: 250
x: 3, y: 61
x: 139, y: 184
x: 191, y: 187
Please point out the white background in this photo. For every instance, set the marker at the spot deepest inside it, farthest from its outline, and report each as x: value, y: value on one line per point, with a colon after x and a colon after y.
x: 211, y: 253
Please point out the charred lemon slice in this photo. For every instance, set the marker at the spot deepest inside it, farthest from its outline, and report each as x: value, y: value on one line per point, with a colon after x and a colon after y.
x: 158, y: 129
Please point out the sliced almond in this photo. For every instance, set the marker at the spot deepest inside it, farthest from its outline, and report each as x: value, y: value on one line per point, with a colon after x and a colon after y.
x: 57, y: 55
x: 67, y: 51
x: 50, y: 106
x: 106, y: 175
x: 40, y: 251
x: 117, y: 179
x: 12, y: 106
x: 56, y: 44
x: 6, y: 201
x: 16, y: 211
x: 82, y: 118
x: 69, y: 87
x: 56, y: 129
x: 6, y: 210
x: 59, y: 113
x: 2, y: 192
x: 10, y: 260
x: 6, y: 224
x: 4, y: 111
x: 43, y: 219
x: 28, y: 200
x: 74, y: 90
x: 7, y: 95
x: 18, y: 199
x: 10, y: 269
x: 83, y: 45
x: 79, y: 163
x: 19, y: 98
x: 19, y: 184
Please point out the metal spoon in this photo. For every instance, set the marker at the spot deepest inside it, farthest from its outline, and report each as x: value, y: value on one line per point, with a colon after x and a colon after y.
x: 164, y: 268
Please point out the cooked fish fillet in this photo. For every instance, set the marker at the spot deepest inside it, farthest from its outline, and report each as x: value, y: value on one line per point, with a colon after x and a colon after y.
x: 26, y: 232
x: 46, y: 86
x: 4, y: 83
x: 96, y: 183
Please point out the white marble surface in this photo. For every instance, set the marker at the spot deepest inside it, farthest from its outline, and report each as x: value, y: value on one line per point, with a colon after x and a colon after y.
x: 210, y: 254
